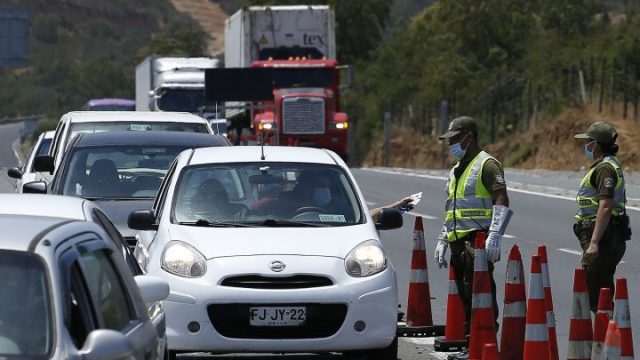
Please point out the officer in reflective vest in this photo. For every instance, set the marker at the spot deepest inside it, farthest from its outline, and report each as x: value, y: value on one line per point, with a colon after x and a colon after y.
x: 602, y: 224
x: 477, y: 200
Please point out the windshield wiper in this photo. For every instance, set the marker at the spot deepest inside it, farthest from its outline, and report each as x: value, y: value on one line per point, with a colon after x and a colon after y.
x: 284, y: 222
x: 213, y: 223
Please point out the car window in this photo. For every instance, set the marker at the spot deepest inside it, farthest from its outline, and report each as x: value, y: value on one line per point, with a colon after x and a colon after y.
x: 254, y: 193
x: 43, y: 149
x: 162, y: 193
x: 119, y: 242
x: 81, y: 318
x: 112, y: 302
x: 26, y: 329
x: 56, y: 138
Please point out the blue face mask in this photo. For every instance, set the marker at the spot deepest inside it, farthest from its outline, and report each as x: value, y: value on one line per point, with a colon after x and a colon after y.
x: 456, y: 150
x: 588, y: 152
x: 321, y: 196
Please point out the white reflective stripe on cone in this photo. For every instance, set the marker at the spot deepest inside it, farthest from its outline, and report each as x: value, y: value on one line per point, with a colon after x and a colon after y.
x: 418, y: 240
x: 580, y: 306
x: 480, y: 261
x: 517, y: 309
x: 621, y: 314
x: 551, y: 319
x: 536, y: 332
x: 545, y: 275
x: 513, y: 272
x: 579, y: 349
x: 597, y: 350
x: 536, y: 292
x: 453, y: 288
x: 419, y: 276
x: 482, y: 301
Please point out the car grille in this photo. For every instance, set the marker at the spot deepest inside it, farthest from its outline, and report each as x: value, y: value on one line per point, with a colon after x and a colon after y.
x: 303, y: 115
x: 232, y: 321
x: 269, y: 282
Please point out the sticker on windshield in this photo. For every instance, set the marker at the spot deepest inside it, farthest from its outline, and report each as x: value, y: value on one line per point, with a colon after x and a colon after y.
x: 139, y: 127
x: 332, y: 218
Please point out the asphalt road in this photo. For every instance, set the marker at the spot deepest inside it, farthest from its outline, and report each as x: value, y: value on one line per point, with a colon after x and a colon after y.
x: 543, y: 207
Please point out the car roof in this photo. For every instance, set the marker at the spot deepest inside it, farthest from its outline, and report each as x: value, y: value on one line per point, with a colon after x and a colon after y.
x: 18, y: 231
x: 234, y: 154
x: 49, y: 134
x: 65, y: 207
x: 168, y: 138
x: 114, y: 116
x: 111, y: 101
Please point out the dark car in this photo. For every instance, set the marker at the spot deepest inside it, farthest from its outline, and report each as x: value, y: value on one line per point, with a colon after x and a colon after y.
x: 121, y: 171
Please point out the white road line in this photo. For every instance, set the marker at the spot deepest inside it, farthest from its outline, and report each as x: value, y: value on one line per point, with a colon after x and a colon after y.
x: 508, y: 236
x: 579, y: 253
x: 371, y: 203
x: 510, y: 188
x: 428, y: 217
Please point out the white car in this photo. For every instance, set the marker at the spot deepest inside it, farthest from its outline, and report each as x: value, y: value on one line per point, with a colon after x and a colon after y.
x: 75, y: 208
x: 76, y: 122
x: 269, y: 250
x: 27, y: 173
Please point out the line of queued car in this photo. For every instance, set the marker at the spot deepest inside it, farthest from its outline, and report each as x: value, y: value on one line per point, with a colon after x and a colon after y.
x: 259, y: 249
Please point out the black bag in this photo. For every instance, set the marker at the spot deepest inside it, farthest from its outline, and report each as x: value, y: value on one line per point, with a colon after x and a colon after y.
x: 625, y: 227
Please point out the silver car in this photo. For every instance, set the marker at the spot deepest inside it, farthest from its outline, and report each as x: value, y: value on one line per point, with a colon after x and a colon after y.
x: 66, y: 293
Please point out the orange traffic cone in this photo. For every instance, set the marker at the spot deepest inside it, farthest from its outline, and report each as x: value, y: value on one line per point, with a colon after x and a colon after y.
x: 599, y: 334
x: 536, y: 344
x: 612, y: 342
x: 419, y: 304
x: 622, y: 317
x: 515, y: 308
x: 580, y: 335
x: 419, y: 318
x: 548, y: 301
x: 483, y: 323
x: 454, y: 338
x: 605, y: 304
x: 490, y: 352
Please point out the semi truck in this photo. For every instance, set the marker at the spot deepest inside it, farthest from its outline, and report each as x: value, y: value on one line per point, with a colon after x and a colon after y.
x: 281, y: 83
x: 172, y: 84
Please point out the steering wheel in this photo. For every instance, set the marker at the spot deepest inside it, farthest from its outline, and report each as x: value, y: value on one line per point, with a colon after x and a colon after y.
x: 308, y: 209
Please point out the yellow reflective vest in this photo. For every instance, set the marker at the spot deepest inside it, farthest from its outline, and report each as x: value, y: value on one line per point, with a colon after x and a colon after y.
x: 588, y: 197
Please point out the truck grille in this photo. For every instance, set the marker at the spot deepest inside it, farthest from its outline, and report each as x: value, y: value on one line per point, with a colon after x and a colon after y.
x: 232, y: 320
x: 303, y: 115
x: 270, y: 282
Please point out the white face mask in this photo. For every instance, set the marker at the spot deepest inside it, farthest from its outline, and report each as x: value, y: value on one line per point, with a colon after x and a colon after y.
x: 456, y: 149
x: 588, y: 152
x: 321, y: 196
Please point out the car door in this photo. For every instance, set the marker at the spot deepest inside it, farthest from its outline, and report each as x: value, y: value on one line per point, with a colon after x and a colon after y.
x: 98, y: 297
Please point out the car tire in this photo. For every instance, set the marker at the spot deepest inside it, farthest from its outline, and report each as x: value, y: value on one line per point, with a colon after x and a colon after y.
x: 388, y: 353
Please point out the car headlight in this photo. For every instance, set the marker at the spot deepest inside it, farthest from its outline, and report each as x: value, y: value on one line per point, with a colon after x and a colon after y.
x: 184, y: 260
x: 365, y: 259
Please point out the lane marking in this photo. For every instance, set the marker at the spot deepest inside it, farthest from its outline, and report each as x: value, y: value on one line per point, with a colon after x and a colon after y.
x: 428, y: 217
x: 508, y: 236
x: 511, y: 188
x: 579, y: 253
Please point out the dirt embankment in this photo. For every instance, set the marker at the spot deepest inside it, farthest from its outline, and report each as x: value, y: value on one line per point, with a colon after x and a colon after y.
x: 549, y: 145
x: 210, y: 17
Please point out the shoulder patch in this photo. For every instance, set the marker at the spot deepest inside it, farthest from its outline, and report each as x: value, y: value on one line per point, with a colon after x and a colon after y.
x: 608, y: 183
x: 500, y: 179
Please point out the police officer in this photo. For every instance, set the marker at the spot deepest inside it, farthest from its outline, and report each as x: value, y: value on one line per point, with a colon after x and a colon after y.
x: 602, y: 225
x: 476, y: 201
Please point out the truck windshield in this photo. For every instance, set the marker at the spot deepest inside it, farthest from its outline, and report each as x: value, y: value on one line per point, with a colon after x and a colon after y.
x: 26, y: 330
x: 188, y: 100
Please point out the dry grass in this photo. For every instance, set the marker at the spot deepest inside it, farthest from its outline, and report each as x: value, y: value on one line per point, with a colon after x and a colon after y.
x: 211, y: 18
x: 548, y: 146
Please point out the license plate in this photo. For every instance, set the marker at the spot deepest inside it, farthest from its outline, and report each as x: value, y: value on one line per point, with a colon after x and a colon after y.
x: 277, y: 316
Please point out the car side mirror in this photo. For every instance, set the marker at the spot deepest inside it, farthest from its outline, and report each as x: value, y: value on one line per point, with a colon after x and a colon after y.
x: 388, y: 219
x: 44, y: 163
x: 105, y: 344
x: 14, y: 173
x: 35, y: 187
x: 152, y: 288
x: 142, y: 220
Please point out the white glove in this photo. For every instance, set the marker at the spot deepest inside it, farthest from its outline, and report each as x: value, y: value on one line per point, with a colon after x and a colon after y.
x: 492, y: 246
x: 441, y: 250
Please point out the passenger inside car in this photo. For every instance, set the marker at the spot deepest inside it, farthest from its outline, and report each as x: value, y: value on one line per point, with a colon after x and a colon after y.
x: 211, y: 201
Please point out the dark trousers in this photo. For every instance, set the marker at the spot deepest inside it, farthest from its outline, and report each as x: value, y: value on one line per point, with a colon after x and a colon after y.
x: 462, y: 257
x: 600, y: 271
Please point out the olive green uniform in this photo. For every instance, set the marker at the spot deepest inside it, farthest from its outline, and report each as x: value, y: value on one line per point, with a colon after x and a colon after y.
x: 600, y: 271
x: 463, y: 249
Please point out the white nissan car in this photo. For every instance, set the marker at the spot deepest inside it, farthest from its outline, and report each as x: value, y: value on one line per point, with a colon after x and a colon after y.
x: 269, y: 250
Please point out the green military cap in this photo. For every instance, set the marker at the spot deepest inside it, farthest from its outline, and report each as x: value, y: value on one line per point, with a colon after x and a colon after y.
x: 600, y: 131
x: 460, y: 124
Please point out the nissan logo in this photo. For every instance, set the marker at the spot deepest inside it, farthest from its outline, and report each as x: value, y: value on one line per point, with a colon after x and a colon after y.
x: 277, y: 266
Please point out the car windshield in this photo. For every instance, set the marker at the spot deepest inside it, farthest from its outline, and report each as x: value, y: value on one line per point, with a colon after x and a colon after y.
x: 98, y: 127
x: 117, y: 171
x: 188, y: 100
x: 26, y: 330
x: 266, y: 194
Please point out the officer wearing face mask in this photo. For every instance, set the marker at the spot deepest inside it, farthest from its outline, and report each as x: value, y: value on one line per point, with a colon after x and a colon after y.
x: 476, y: 201
x: 602, y: 224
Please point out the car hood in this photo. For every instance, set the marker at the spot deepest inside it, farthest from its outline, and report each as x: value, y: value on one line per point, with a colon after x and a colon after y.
x: 118, y: 211
x: 222, y: 242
